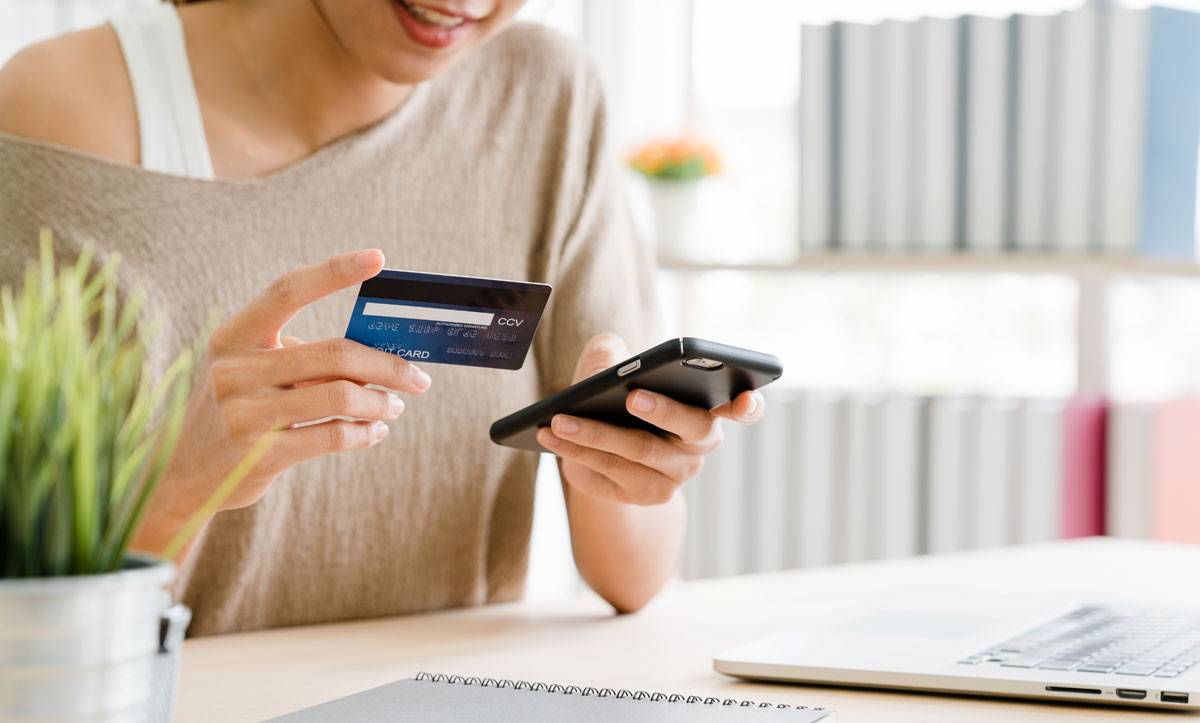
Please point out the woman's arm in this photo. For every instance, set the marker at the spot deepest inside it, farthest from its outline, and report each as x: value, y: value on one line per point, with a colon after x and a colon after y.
x: 622, y: 485
x: 625, y: 552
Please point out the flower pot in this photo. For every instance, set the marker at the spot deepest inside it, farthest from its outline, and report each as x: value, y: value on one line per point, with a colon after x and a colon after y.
x: 87, y: 647
x: 676, y: 204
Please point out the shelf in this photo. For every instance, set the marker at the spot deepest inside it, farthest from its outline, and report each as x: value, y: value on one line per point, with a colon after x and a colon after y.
x: 1090, y: 266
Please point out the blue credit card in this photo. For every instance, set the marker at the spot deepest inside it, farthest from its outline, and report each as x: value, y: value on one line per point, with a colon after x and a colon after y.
x: 448, y: 319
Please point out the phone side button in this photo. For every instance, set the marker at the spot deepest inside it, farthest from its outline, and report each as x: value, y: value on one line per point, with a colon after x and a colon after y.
x: 629, y: 368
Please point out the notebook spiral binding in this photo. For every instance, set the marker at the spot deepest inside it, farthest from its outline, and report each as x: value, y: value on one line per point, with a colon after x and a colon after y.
x: 598, y: 692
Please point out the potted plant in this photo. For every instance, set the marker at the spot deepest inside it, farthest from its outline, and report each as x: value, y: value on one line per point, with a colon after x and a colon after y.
x: 673, y: 169
x: 85, y: 436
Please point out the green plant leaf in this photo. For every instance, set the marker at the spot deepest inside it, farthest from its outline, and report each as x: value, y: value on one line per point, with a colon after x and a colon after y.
x: 86, y: 435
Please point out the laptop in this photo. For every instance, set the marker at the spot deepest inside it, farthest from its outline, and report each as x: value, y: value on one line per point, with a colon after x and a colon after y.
x: 992, y: 644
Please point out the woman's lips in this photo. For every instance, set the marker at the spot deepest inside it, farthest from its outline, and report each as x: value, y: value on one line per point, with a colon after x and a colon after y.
x: 429, y: 34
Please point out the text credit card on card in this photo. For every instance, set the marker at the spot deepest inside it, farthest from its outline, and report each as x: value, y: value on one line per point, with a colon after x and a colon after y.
x: 448, y: 319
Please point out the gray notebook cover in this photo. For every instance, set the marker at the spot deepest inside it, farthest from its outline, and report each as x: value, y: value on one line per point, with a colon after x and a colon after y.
x: 449, y: 699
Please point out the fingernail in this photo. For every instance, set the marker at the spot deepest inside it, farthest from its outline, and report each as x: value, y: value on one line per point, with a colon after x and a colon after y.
x: 548, y: 439
x: 643, y: 402
x: 565, y: 425
x: 395, y: 405
x: 379, y: 430
x: 367, y: 259
x: 420, y: 378
x: 753, y: 406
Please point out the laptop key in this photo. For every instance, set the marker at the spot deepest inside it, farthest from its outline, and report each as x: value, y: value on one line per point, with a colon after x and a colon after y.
x: 1093, y: 668
x: 1024, y: 661
x: 1166, y: 674
x: 1137, y: 669
x: 1058, y: 664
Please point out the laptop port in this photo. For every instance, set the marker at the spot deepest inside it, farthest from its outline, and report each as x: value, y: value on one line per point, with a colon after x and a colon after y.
x: 1069, y: 689
x: 1131, y: 694
x: 1173, y: 697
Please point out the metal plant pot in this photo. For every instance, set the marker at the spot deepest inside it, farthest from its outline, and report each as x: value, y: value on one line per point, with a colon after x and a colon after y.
x: 87, y: 647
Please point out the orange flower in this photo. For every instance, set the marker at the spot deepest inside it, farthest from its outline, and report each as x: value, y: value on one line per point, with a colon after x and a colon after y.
x: 679, y: 158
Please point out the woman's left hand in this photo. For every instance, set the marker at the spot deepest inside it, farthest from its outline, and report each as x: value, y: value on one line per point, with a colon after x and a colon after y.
x: 634, y: 466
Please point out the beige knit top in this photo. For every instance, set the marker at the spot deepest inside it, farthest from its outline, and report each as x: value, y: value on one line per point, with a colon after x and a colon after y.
x: 498, y: 168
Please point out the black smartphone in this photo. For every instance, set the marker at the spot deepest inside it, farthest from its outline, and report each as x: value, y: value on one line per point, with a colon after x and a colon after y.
x: 693, y: 371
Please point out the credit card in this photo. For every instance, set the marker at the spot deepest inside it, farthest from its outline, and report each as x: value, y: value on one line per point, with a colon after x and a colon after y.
x: 448, y: 319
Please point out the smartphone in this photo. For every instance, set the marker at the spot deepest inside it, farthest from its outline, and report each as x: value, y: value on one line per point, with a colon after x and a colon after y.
x: 693, y: 371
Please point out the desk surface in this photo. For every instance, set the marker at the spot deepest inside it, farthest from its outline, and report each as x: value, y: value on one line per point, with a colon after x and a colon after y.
x: 669, y: 645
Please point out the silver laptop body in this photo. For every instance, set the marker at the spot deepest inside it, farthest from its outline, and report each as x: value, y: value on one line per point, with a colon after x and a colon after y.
x: 992, y: 644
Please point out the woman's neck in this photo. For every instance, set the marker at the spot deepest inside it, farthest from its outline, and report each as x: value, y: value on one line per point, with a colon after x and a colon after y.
x: 275, y: 84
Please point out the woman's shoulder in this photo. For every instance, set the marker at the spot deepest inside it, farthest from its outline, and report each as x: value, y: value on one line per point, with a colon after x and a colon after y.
x: 539, y: 54
x: 539, y: 42
x: 72, y: 90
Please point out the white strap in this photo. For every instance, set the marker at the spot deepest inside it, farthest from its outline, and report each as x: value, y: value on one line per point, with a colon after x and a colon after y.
x: 168, y: 112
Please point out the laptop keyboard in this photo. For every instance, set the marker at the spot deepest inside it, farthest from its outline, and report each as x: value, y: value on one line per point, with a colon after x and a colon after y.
x: 1102, y: 640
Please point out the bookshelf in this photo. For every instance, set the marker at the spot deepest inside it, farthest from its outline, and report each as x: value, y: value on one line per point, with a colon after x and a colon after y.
x: 1092, y: 274
x: 1077, y: 266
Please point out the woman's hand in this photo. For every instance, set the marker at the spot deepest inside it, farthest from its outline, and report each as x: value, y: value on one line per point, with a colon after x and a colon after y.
x: 636, y: 466
x: 254, y: 380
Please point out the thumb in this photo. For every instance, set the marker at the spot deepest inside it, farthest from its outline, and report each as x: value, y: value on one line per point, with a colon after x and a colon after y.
x: 601, y: 352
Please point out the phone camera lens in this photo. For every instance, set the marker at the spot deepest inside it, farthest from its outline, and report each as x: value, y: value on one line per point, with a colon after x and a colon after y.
x: 703, y: 363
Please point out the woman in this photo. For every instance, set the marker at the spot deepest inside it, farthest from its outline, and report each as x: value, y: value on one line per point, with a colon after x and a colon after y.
x: 219, y: 147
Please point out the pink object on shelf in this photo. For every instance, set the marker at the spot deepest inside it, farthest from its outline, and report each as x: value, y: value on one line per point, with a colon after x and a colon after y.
x: 1084, y: 446
x: 1175, y: 489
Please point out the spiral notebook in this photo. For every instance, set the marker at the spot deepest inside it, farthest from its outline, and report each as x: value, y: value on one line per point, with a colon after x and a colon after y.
x: 454, y: 699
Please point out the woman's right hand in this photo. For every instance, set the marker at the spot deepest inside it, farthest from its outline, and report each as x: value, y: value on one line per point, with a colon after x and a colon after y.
x: 254, y: 380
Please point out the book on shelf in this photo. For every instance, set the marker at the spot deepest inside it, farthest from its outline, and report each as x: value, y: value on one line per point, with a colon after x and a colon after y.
x: 1131, y: 474
x: 1151, y: 132
x: 1074, y: 147
x: 861, y: 479
x: 820, y: 436
x: 987, y: 104
x: 1040, y: 479
x: 935, y: 113
x: 952, y: 450
x: 724, y: 478
x: 896, y: 58
x: 1034, y: 56
x: 1126, y: 34
x: 770, y: 472
x: 897, y: 507
x: 816, y: 131
x: 858, y: 149
x: 995, y: 480
x: 1084, y: 428
x: 1176, y: 489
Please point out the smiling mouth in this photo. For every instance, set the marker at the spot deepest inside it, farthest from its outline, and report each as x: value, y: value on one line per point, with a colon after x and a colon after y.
x: 432, y: 17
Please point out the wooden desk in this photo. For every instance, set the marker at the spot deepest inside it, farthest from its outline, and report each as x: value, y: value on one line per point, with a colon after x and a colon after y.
x: 669, y: 646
